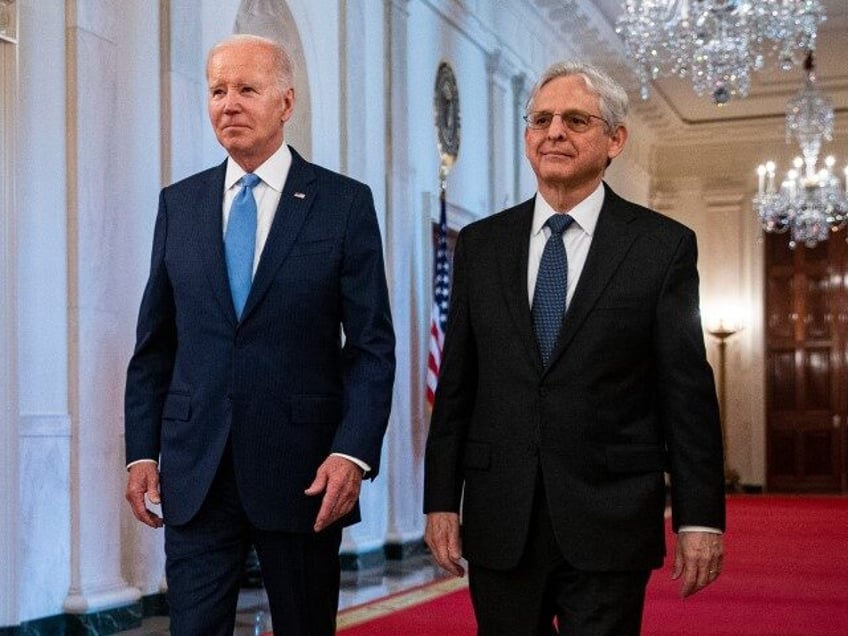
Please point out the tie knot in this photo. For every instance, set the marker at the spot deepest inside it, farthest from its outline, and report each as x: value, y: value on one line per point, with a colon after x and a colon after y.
x: 250, y: 180
x: 558, y: 223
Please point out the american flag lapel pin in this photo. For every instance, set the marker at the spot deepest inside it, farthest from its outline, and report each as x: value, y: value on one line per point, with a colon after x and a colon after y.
x: 299, y: 195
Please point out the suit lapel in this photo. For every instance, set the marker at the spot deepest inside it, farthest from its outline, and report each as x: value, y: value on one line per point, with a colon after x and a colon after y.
x: 513, y: 251
x: 211, y: 238
x: 610, y: 244
x: 298, y: 195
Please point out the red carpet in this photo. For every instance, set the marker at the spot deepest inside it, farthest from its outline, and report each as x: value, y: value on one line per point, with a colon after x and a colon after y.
x: 785, y: 574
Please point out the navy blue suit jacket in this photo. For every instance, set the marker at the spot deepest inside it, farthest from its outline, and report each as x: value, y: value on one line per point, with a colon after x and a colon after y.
x: 628, y: 394
x: 307, y: 371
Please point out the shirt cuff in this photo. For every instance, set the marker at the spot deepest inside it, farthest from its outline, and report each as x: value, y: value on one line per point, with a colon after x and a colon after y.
x: 700, y: 529
x: 142, y: 461
x: 365, y: 467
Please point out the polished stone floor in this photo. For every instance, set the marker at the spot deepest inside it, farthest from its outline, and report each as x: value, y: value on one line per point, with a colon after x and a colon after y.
x: 253, y: 617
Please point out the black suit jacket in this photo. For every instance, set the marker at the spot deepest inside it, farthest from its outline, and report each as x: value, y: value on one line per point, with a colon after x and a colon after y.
x: 283, y: 383
x: 627, y: 395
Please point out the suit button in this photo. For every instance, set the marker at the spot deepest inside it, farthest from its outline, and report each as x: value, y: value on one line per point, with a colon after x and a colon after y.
x: 543, y: 391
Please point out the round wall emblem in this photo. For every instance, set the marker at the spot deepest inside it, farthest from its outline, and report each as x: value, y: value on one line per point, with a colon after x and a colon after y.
x: 446, y: 106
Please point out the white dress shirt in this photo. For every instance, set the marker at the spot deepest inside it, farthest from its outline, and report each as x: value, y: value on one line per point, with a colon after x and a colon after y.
x: 577, y: 238
x: 273, y: 174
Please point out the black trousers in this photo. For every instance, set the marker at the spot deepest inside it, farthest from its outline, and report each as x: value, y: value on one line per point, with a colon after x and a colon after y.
x: 545, y: 595
x: 205, y: 557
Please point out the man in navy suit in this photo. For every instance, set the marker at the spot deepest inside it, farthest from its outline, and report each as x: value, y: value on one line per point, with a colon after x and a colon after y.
x: 253, y: 420
x: 555, y: 449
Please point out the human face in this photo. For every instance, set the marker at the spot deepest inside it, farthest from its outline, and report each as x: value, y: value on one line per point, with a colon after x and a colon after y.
x: 247, y: 105
x: 561, y: 158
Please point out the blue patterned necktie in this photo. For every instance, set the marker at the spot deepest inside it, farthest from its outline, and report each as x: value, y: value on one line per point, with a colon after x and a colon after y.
x: 240, y: 241
x: 551, y: 285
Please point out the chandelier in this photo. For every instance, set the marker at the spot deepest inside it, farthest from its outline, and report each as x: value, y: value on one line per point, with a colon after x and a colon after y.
x: 716, y: 43
x: 809, y: 202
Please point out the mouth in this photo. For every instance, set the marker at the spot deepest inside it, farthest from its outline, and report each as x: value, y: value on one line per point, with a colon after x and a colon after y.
x: 557, y: 155
x: 234, y: 127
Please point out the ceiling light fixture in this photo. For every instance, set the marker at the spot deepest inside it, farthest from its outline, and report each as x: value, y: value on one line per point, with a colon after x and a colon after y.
x: 810, y: 203
x: 715, y: 43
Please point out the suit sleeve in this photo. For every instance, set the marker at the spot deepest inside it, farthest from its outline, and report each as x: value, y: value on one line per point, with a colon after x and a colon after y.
x: 454, y: 403
x: 687, y: 397
x: 368, y: 357
x: 151, y: 365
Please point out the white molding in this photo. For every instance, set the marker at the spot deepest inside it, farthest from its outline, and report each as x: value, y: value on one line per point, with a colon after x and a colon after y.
x: 98, y: 600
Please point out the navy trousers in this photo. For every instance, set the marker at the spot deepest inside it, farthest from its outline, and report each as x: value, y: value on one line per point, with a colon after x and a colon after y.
x: 205, y: 558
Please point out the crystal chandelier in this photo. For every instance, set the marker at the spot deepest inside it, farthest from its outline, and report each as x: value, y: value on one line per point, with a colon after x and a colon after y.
x: 809, y: 202
x: 716, y: 43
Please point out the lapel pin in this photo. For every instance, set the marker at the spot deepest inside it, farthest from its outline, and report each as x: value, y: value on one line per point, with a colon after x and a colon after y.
x: 299, y: 195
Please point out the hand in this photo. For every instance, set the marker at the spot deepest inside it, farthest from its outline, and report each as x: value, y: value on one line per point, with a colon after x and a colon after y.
x: 442, y: 537
x: 339, y: 479
x: 698, y: 557
x: 143, y: 481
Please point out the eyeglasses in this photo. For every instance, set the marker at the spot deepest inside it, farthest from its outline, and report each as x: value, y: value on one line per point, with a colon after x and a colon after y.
x: 575, y: 120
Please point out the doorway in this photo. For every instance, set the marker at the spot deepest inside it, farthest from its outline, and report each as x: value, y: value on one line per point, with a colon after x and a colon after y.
x: 806, y: 327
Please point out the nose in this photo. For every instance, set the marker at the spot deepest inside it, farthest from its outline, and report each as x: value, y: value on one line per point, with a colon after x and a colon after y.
x: 231, y: 102
x: 557, y: 129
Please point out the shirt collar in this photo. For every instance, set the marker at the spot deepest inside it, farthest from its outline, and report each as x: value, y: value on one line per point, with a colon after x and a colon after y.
x: 585, y: 213
x: 273, y: 172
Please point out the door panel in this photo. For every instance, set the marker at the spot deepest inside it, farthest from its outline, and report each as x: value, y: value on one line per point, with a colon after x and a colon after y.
x: 806, y: 365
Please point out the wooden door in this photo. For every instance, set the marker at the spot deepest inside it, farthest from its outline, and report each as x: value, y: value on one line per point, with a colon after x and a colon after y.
x: 806, y: 365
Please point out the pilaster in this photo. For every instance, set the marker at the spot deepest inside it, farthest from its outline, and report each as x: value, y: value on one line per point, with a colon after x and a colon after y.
x: 8, y: 317
x: 501, y: 137
x: 109, y: 205
x: 403, y: 445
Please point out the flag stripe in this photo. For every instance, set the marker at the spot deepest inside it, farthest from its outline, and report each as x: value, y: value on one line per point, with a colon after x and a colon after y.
x: 441, y: 300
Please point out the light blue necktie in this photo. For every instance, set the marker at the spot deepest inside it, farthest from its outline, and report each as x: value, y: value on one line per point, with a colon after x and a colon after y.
x: 551, y: 286
x: 240, y: 242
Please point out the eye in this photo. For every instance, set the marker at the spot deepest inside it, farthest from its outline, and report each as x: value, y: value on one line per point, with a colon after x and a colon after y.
x: 577, y: 120
x: 541, y: 119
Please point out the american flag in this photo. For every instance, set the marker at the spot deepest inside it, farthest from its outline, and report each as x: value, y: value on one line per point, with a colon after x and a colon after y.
x: 441, y: 300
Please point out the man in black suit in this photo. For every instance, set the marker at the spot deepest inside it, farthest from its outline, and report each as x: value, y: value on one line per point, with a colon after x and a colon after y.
x: 556, y: 448
x: 256, y: 404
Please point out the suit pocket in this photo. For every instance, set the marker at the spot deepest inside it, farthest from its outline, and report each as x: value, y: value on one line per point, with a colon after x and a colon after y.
x: 478, y: 455
x: 315, y: 409
x: 177, y: 407
x: 643, y: 458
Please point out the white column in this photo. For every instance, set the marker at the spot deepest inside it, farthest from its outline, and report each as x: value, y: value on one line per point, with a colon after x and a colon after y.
x: 363, y: 157
x: 113, y: 167
x: 501, y: 133
x: 403, y: 447
x: 42, y: 511
x: 524, y: 183
x: 8, y: 336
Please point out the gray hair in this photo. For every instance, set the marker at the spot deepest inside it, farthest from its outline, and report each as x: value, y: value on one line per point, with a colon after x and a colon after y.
x: 280, y: 59
x: 612, y: 97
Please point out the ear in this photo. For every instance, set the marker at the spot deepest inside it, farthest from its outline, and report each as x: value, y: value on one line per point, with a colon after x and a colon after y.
x: 618, y: 138
x: 288, y: 105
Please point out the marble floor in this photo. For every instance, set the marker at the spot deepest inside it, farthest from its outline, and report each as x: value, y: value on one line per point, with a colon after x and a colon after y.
x: 357, y: 588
